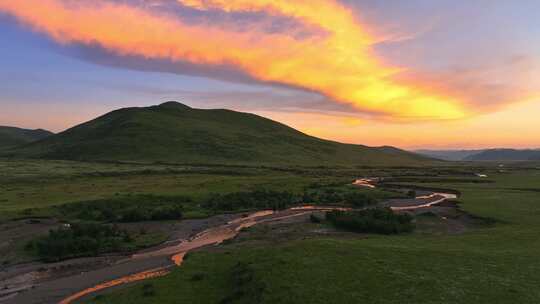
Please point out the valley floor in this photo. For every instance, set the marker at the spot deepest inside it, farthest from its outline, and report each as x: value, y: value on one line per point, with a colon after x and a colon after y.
x: 484, y: 252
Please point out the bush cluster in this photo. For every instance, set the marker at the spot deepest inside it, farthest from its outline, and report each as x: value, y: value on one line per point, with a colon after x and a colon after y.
x: 259, y: 199
x: 148, y: 290
x: 246, y: 287
x: 330, y: 196
x: 79, y: 240
x: 151, y: 214
x: 376, y: 220
x: 127, y: 209
x: 315, y: 219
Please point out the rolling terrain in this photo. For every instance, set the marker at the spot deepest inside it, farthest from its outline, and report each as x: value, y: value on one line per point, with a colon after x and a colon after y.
x: 173, y: 132
x: 11, y: 137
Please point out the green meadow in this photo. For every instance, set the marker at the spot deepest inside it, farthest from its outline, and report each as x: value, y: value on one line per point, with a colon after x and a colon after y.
x: 492, y: 264
x: 496, y: 263
x: 37, y: 188
x: 31, y: 188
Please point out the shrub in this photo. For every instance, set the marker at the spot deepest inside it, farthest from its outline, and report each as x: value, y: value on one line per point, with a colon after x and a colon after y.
x: 259, y: 199
x: 332, y: 196
x: 148, y: 290
x: 78, y: 240
x: 359, y: 199
x: 166, y: 213
x: 314, y: 219
x: 377, y: 220
x: 99, y: 298
x: 127, y: 209
x: 198, y: 277
x: 247, y: 288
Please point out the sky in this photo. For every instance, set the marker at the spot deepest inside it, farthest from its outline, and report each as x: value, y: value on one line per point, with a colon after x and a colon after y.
x: 413, y: 74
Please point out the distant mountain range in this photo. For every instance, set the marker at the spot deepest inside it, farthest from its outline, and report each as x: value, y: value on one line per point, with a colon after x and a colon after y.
x: 453, y: 155
x: 484, y: 155
x: 173, y: 132
x: 12, y: 137
x: 506, y: 155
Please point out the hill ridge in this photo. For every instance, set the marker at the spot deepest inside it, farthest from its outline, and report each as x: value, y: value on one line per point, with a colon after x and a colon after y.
x: 14, y: 136
x: 174, y: 132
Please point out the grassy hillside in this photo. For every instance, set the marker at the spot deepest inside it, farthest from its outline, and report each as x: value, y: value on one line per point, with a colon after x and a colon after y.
x: 173, y: 132
x: 12, y: 137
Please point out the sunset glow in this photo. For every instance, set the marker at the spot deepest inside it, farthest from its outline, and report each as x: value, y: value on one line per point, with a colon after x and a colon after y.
x: 337, y: 63
x: 325, y: 47
x: 269, y: 151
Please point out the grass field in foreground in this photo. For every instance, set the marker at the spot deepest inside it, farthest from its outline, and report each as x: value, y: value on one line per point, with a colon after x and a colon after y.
x: 490, y: 265
x: 38, y: 185
x: 32, y: 187
x: 130, y: 192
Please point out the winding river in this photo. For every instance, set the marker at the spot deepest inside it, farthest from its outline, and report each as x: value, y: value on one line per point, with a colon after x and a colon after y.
x: 216, y: 235
x: 212, y: 236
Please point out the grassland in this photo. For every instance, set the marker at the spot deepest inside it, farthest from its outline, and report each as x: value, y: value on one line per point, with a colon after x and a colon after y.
x: 495, y: 264
x: 106, y: 193
x: 35, y: 187
x: 491, y: 264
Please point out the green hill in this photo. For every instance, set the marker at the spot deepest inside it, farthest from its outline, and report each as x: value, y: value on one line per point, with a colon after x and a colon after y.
x: 173, y: 132
x: 11, y: 137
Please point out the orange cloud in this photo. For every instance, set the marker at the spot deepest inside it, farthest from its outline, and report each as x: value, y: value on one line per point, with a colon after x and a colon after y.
x: 510, y: 127
x: 339, y: 64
